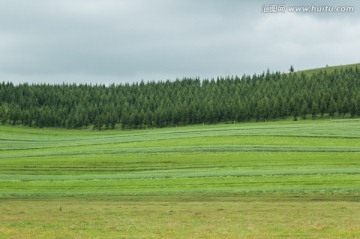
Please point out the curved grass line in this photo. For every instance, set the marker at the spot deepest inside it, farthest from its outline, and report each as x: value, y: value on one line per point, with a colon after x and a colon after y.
x: 177, y: 174
x: 226, y: 148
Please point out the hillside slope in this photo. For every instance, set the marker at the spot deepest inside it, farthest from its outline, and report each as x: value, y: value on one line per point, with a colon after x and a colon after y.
x: 329, y: 69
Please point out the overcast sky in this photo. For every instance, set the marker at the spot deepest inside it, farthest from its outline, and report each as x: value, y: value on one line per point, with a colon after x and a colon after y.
x: 117, y: 41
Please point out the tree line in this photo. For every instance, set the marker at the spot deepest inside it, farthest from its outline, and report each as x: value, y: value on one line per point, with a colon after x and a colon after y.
x: 183, y: 101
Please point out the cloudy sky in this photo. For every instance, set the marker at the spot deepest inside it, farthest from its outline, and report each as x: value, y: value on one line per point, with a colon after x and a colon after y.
x: 117, y: 41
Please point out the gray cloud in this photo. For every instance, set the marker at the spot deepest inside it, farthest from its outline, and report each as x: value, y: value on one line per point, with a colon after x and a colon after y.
x: 121, y: 40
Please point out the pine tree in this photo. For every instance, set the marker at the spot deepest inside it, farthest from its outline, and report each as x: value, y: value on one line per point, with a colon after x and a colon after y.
x: 332, y: 107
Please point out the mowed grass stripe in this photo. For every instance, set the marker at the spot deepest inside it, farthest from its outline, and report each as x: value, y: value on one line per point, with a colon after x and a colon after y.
x: 295, y: 183
x: 187, y: 149
x: 24, y: 138
x: 177, y: 162
x: 165, y: 174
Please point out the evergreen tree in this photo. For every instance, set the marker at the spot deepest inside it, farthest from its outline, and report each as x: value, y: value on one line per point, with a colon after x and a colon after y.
x: 184, y: 101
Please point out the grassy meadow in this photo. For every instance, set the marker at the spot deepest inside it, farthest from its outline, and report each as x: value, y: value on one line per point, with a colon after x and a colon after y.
x: 329, y: 69
x: 282, y: 179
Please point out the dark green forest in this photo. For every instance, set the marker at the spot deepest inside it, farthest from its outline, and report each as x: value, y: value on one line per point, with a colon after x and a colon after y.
x: 182, y: 102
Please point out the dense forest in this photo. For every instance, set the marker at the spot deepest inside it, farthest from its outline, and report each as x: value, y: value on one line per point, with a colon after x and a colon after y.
x: 182, y: 102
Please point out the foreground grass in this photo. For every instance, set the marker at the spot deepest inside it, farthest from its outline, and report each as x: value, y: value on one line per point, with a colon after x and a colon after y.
x: 173, y: 218
x: 264, y: 180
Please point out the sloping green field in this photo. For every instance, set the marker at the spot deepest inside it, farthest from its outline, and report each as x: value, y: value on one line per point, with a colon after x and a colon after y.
x: 277, y: 179
x: 330, y: 69
x: 320, y: 157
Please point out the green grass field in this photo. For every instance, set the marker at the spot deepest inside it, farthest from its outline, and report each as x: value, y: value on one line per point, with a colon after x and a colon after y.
x: 282, y: 179
x: 329, y: 69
